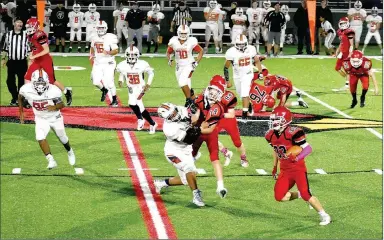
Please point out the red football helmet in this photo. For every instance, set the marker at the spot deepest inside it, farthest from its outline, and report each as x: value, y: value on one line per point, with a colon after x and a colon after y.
x: 32, y: 25
x: 272, y: 81
x: 215, y: 91
x: 280, y: 118
x: 269, y: 101
x: 344, y: 23
x: 218, y: 79
x: 356, y: 58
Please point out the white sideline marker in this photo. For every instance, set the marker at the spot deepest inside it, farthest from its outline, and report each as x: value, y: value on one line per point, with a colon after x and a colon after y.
x: 144, y: 169
x: 201, y: 171
x: 261, y: 171
x: 79, y: 171
x: 320, y: 171
x: 378, y: 171
x: 16, y: 171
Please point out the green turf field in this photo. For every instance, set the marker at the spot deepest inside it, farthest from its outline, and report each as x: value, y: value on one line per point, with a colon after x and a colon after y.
x: 102, y: 202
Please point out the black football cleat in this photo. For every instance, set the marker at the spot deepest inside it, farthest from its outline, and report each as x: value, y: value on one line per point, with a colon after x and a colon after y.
x: 79, y: 50
x: 70, y: 49
x: 68, y: 96
x: 362, y: 104
x: 354, y: 103
x: 103, y: 94
x: 13, y: 103
x: 114, y: 103
x: 298, y: 94
x: 192, y: 92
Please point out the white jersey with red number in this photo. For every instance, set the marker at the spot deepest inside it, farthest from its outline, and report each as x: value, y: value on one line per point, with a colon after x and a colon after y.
x: 357, y: 20
x: 47, y: 16
x: 76, y: 19
x: 238, y: 21
x: 242, y: 62
x: 154, y: 18
x: 183, y: 52
x: 91, y: 18
x: 40, y: 103
x: 120, y: 14
x: 213, y: 14
x: 133, y: 75
x: 254, y: 16
x: 106, y: 42
x: 373, y: 21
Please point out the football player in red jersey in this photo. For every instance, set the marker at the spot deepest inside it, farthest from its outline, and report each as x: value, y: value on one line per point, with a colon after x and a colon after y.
x: 261, y: 97
x: 229, y: 123
x: 346, y: 36
x: 281, y: 136
x: 283, y: 87
x: 40, y: 57
x: 209, y: 112
x: 358, y: 68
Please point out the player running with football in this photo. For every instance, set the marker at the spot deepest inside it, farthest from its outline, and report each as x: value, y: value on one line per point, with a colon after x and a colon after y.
x: 132, y: 72
x: 102, y: 55
x: 180, y: 136
x: 40, y: 57
x: 358, y: 68
x: 183, y: 46
x: 374, y: 22
x: 282, y: 137
x: 45, y: 99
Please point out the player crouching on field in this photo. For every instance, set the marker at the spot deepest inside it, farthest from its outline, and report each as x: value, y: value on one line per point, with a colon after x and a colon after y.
x: 281, y: 136
x: 180, y: 136
x: 132, y: 72
x: 359, y: 67
x: 46, y: 103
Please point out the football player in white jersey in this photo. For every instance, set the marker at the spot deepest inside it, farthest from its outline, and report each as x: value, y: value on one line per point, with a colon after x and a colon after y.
x: 285, y: 11
x: 239, y: 20
x: 374, y: 22
x: 242, y: 57
x: 183, y: 46
x: 211, y: 15
x: 221, y: 27
x: 154, y: 17
x: 91, y: 17
x: 47, y: 16
x: 264, y: 29
x: 45, y: 99
x: 329, y: 33
x: 180, y: 135
x: 254, y: 19
x: 120, y: 25
x: 356, y: 17
x: 102, y: 55
x: 76, y: 19
x: 132, y: 72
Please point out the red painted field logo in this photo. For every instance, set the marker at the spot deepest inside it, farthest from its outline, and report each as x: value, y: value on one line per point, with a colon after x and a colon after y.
x: 69, y: 68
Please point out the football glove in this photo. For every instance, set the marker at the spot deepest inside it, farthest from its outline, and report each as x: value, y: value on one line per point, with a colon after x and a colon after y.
x: 192, y: 135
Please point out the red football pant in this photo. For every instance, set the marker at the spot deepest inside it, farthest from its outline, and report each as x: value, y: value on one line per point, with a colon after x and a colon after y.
x: 287, y: 180
x: 46, y: 64
x: 212, y: 141
x: 353, y: 80
x: 230, y: 126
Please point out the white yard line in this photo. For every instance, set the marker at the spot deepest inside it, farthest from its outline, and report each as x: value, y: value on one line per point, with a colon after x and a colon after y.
x: 374, y: 132
x: 320, y: 171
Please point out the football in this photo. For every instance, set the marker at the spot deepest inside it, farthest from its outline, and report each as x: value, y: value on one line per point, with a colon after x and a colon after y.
x: 294, y: 150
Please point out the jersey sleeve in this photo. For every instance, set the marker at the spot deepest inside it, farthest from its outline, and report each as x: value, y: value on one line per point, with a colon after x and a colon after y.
x: 379, y: 19
x: 287, y: 18
x: 351, y: 11
x: 229, y: 99
x: 56, y: 94
x: 298, y: 137
x: 228, y: 55
x: 363, y: 13
x: 367, y: 64
x: 116, y: 13
x: 174, y: 133
x: 233, y: 17
x: 369, y: 18
x: 160, y: 16
x: 22, y: 90
x: 268, y: 136
x: 194, y: 43
x: 206, y: 10
x: 41, y: 38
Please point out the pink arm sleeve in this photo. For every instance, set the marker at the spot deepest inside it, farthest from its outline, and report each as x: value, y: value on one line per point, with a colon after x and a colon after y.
x: 306, y: 151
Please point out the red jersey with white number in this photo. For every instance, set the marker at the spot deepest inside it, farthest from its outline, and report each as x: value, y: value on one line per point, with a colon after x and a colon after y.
x: 284, y: 86
x: 257, y: 95
x: 360, y: 71
x: 282, y: 142
x: 36, y: 41
x: 242, y: 62
x: 344, y: 36
x: 183, y: 51
x: 206, y: 113
x: 228, y: 100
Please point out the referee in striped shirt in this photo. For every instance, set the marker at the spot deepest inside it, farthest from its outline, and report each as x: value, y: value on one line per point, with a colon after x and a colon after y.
x: 15, y: 46
x: 181, y: 16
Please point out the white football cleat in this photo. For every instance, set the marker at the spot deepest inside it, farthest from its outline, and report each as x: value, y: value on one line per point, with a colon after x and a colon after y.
x: 140, y: 124
x: 51, y: 164
x: 197, y: 198
x: 302, y: 103
x: 244, y: 163
x: 152, y: 129
x: 71, y: 157
x: 222, y: 192
x: 228, y: 158
x: 325, y: 220
x: 198, y: 155
x: 159, y: 184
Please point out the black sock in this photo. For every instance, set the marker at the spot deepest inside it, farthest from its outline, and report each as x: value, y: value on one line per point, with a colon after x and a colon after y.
x: 103, y: 89
x: 147, y: 117
x: 266, y: 49
x: 114, y: 98
x: 250, y: 107
x: 167, y: 181
x: 67, y: 146
x: 354, y: 97
x: 48, y: 154
x: 363, y: 93
x: 281, y: 49
x: 57, y: 48
x: 148, y: 46
x: 245, y: 114
x: 136, y: 110
x: 156, y: 46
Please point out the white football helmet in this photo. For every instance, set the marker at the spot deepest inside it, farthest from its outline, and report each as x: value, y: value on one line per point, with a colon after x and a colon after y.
x: 40, y: 81
x: 267, y: 4
x: 92, y: 7
x: 132, y: 54
x: 101, y: 28
x: 169, y: 112
x: 213, y: 4
x: 375, y: 11
x: 156, y: 8
x: 239, y: 11
x: 358, y: 5
x: 47, y: 5
x: 183, y: 32
x: 285, y: 9
x: 241, y: 42
x: 76, y: 8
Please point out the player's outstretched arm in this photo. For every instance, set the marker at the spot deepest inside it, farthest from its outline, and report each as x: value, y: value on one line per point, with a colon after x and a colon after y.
x: 121, y: 80
x: 373, y: 77
x: 21, y: 109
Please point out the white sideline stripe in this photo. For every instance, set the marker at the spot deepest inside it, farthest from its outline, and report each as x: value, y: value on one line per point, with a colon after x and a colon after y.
x: 251, y: 120
x: 374, y: 132
x: 261, y: 171
x: 149, y: 200
x: 378, y: 171
x: 144, y: 169
x: 16, y: 171
x: 378, y: 58
x: 79, y: 171
x: 320, y: 171
x: 201, y: 171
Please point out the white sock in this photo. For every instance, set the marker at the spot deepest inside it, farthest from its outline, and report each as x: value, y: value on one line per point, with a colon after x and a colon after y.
x: 245, y: 109
x: 220, y: 184
x: 195, y: 191
x: 65, y: 90
x: 322, y: 213
x: 295, y: 103
x: 346, y: 83
x: 298, y: 195
x: 49, y: 157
